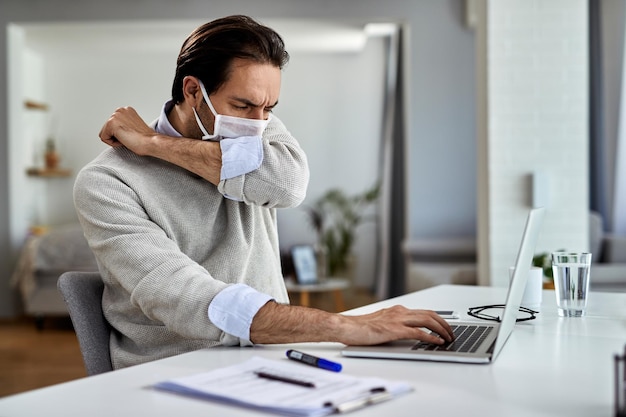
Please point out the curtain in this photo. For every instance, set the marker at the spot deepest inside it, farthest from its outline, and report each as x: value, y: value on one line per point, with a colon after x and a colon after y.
x: 616, y: 15
x: 598, y: 187
x: 607, y: 112
x: 391, y: 268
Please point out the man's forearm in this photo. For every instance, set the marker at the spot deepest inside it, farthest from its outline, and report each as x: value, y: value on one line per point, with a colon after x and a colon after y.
x: 203, y: 158
x: 279, y: 323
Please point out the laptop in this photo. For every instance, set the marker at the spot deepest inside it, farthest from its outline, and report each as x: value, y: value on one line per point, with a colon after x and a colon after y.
x: 486, y: 338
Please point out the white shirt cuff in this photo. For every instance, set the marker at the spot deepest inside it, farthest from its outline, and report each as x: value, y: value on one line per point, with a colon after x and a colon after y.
x: 233, y: 309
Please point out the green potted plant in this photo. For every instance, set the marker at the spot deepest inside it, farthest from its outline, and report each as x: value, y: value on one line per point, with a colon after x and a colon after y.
x: 544, y: 261
x: 335, y: 217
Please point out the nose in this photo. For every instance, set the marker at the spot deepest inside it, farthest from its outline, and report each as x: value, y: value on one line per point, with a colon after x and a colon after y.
x: 258, y: 113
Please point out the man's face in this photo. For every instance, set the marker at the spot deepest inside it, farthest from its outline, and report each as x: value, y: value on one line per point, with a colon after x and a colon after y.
x: 251, y: 92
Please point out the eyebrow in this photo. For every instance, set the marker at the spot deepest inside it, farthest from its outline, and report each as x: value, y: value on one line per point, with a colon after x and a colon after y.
x: 251, y: 104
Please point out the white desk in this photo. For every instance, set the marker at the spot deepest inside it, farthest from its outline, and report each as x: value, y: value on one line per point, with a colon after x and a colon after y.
x: 551, y: 366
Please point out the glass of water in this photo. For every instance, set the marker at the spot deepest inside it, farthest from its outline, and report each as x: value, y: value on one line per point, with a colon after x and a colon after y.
x: 571, y: 272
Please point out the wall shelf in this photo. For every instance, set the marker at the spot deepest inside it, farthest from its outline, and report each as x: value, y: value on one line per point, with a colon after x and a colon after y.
x: 48, y: 173
x: 35, y: 105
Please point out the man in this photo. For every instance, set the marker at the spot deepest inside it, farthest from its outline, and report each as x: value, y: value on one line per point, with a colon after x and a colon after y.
x: 184, y: 230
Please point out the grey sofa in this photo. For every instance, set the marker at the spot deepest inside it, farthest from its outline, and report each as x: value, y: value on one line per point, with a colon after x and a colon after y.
x: 608, y: 269
x: 42, y: 260
x: 453, y: 260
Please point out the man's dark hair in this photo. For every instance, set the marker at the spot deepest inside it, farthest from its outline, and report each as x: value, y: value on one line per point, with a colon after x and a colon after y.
x: 210, y: 49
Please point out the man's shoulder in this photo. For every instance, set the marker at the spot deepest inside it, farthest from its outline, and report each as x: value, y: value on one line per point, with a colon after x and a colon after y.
x: 114, y: 157
x: 119, y: 161
x: 123, y: 163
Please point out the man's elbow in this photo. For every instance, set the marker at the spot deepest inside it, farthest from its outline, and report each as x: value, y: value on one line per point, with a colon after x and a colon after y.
x: 300, y: 186
x: 294, y: 199
x: 289, y: 197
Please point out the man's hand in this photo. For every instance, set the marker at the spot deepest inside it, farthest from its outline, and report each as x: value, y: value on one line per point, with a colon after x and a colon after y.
x: 276, y: 323
x: 395, y: 323
x: 126, y: 128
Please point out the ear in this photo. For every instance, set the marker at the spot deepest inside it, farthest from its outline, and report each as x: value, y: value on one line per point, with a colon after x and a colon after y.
x: 191, y: 91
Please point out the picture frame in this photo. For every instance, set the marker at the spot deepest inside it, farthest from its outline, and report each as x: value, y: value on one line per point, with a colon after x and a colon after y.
x: 304, y: 264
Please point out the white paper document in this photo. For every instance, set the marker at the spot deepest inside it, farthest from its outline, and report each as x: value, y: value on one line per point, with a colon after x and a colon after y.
x: 287, y: 388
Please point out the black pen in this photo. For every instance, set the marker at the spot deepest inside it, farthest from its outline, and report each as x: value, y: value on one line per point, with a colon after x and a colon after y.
x: 285, y: 379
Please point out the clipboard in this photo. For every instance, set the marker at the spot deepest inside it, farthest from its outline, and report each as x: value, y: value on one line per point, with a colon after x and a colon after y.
x: 315, y: 392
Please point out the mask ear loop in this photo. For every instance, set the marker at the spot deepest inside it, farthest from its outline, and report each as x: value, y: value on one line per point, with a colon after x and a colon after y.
x: 201, y: 126
x: 206, y: 136
x: 206, y: 98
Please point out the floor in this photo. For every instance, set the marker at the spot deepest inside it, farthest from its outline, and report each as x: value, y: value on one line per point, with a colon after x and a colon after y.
x: 31, y: 358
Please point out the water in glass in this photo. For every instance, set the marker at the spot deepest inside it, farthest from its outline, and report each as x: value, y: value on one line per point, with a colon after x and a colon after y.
x: 571, y: 283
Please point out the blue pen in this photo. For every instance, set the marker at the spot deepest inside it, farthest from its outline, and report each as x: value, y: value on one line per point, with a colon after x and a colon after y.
x: 313, y: 361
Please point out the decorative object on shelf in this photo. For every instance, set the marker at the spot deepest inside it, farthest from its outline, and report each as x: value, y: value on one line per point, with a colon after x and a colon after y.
x: 38, y: 230
x: 51, y: 156
x: 335, y: 217
x: 51, y: 163
x: 304, y: 264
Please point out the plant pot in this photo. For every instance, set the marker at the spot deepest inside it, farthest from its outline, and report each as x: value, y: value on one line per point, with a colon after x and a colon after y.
x: 52, y: 160
x: 349, y: 271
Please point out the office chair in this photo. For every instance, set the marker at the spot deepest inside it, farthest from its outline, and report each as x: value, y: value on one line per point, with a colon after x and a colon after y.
x: 82, y: 292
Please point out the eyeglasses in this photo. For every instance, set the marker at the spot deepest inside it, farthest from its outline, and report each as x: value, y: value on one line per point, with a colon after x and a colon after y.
x: 479, y: 313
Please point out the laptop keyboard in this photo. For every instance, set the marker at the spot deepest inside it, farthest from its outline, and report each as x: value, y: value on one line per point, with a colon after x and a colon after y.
x: 466, y: 339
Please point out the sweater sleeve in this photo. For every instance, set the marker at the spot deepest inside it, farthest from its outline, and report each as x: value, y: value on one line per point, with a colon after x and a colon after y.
x: 138, y: 260
x: 281, y: 180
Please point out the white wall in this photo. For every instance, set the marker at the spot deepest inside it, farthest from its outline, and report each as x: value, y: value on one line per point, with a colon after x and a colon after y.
x: 83, y: 87
x: 28, y: 197
x: 534, y: 117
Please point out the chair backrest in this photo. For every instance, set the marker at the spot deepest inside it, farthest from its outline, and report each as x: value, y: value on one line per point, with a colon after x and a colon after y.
x: 82, y: 292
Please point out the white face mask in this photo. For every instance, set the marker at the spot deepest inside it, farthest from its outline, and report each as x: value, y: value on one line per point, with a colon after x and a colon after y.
x: 229, y: 127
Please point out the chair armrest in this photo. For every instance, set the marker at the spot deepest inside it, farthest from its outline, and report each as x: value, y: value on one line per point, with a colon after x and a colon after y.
x: 614, y: 249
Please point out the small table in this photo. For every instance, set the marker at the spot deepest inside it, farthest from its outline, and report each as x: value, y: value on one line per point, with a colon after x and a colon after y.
x: 334, y: 285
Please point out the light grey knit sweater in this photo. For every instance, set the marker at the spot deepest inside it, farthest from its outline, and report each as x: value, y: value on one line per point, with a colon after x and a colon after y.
x: 168, y: 241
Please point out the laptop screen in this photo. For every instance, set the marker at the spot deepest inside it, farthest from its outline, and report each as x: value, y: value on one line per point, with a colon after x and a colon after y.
x: 520, y: 276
